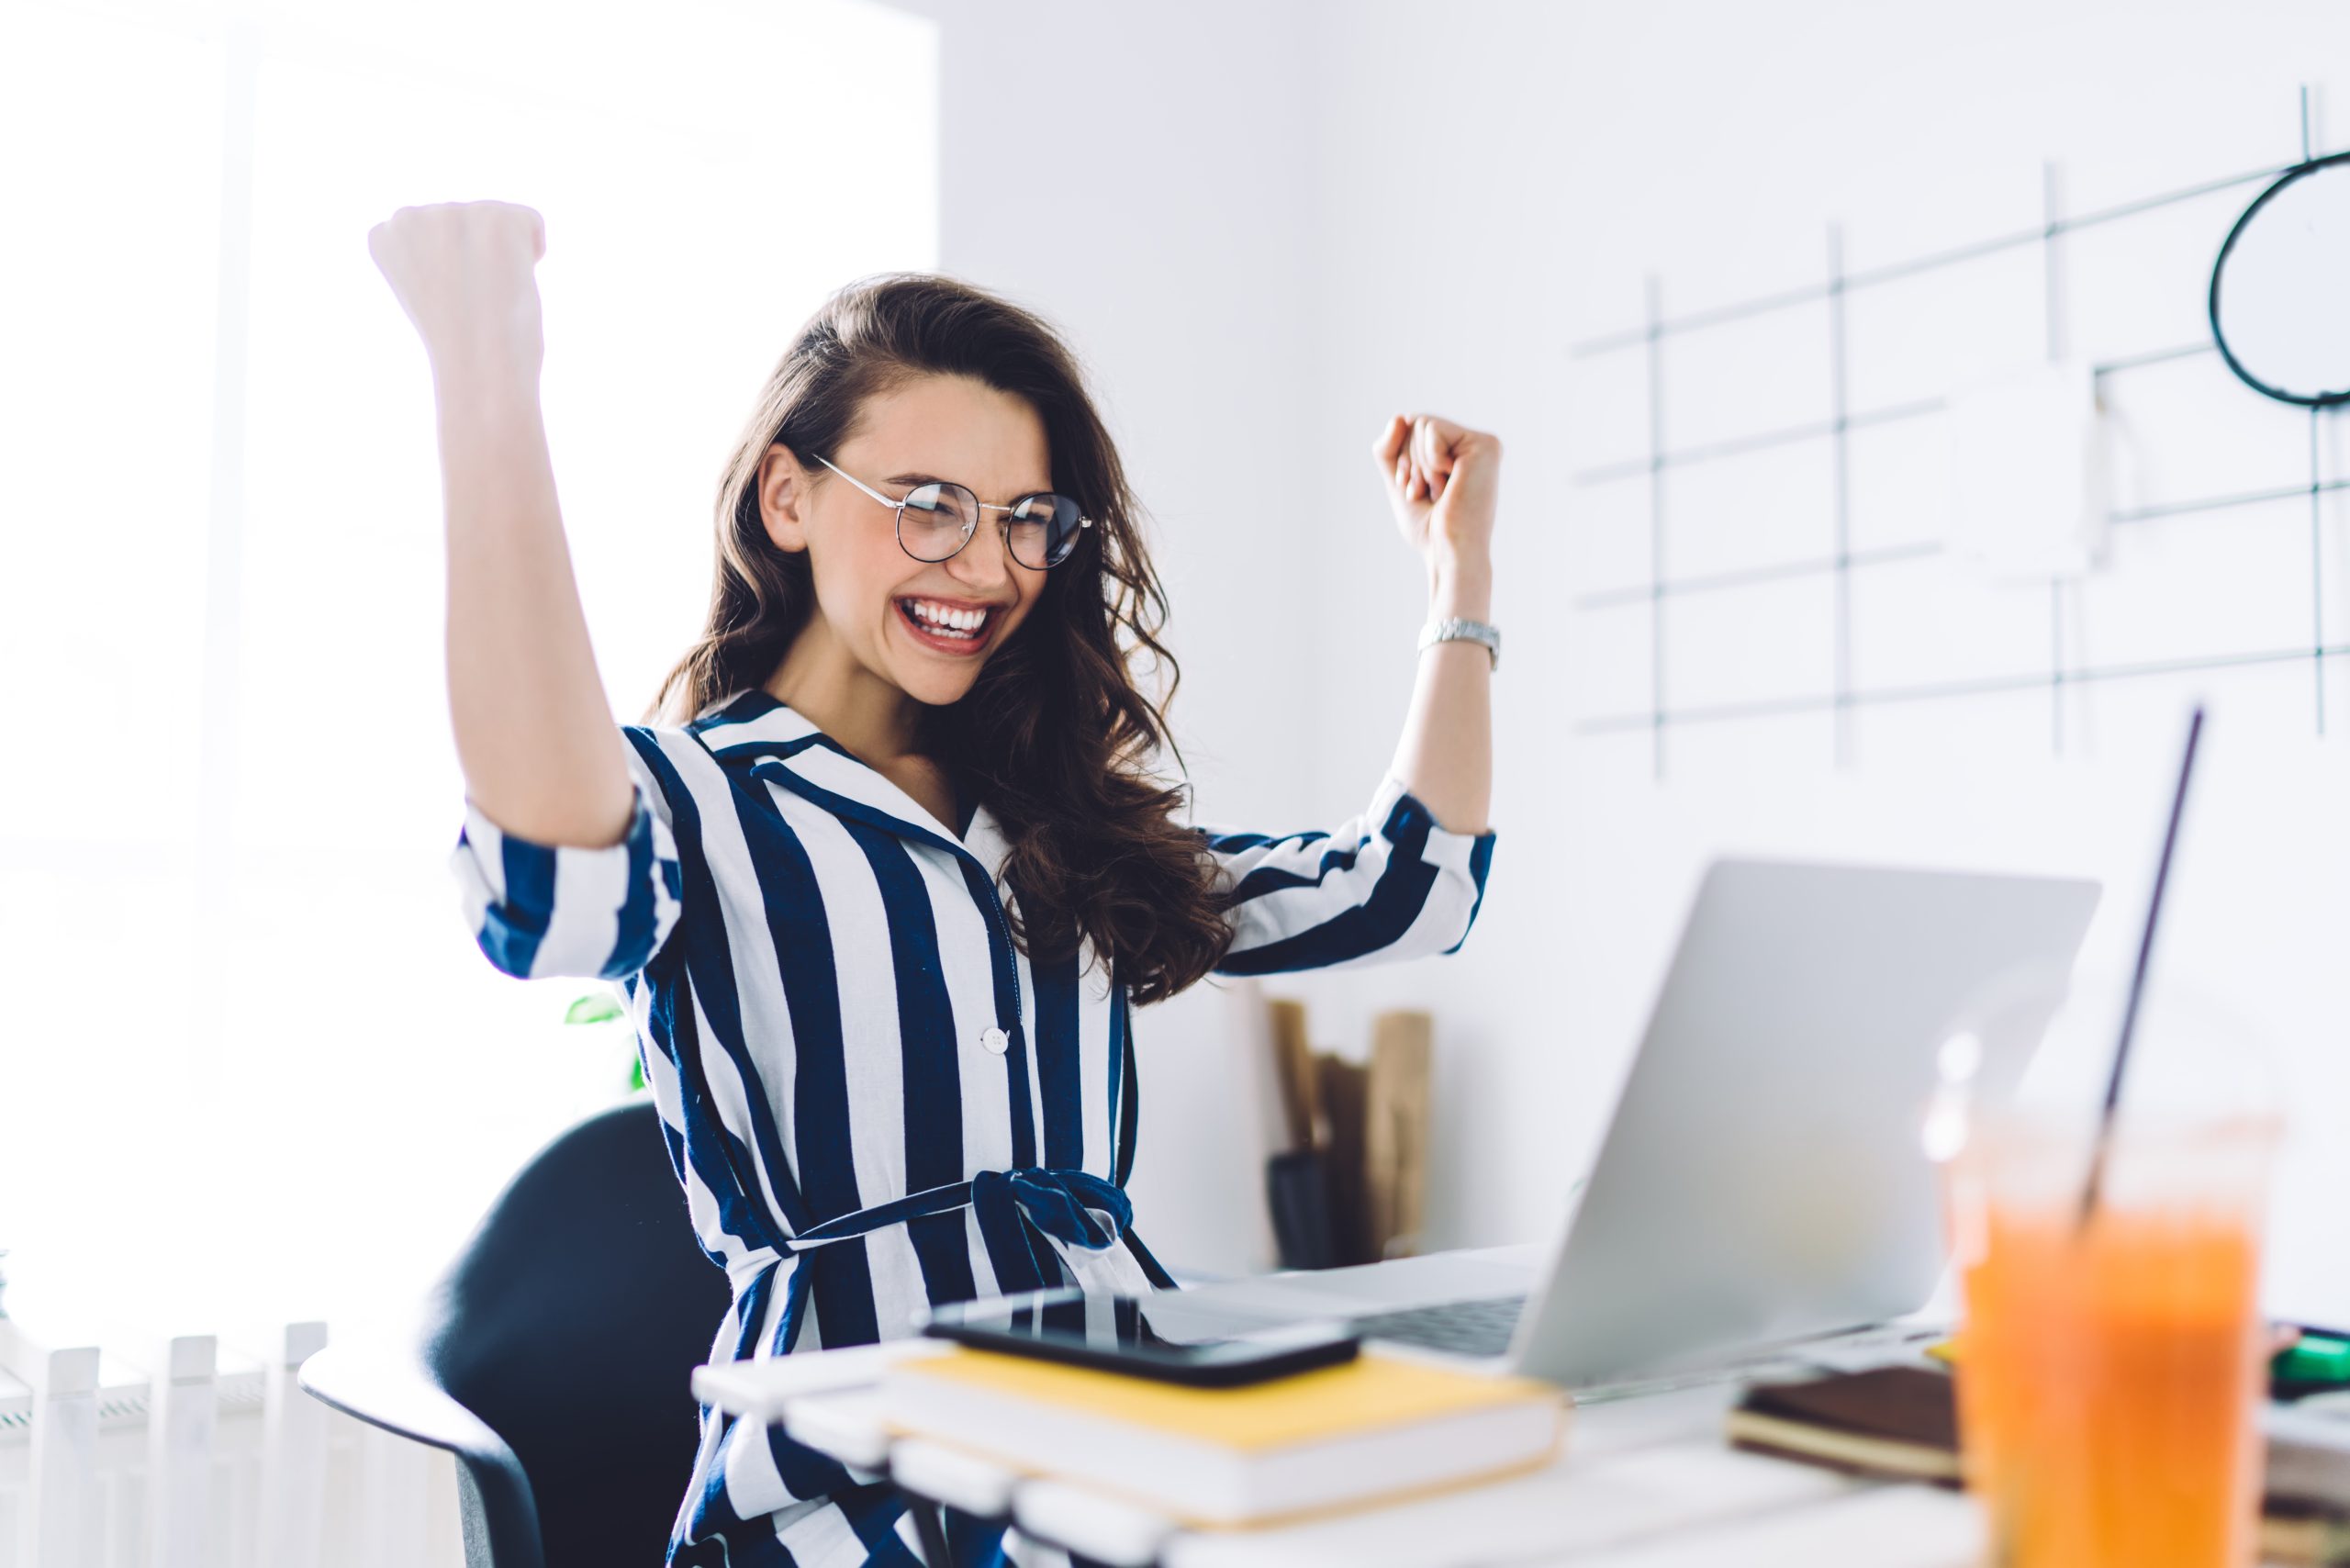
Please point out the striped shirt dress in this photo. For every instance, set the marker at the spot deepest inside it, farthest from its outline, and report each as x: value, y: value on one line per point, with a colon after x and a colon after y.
x: 873, y: 1100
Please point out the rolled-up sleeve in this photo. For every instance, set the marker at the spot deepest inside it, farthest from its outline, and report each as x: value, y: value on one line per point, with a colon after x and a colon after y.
x: 1389, y: 884
x: 538, y: 910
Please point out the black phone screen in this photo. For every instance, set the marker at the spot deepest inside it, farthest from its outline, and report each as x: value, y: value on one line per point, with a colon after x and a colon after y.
x: 1141, y: 1337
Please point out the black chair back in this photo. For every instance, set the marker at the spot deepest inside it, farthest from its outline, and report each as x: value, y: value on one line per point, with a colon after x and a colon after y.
x: 570, y: 1324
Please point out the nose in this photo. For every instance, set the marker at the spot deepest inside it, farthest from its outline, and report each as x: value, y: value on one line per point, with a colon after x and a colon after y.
x: 985, y: 564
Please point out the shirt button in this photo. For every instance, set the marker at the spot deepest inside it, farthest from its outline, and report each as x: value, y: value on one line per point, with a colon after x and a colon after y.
x: 995, y: 1040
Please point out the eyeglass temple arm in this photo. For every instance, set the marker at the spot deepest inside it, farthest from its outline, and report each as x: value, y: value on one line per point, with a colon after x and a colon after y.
x: 989, y: 506
x: 857, y: 482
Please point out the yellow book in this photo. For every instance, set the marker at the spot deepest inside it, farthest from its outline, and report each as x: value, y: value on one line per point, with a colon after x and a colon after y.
x: 1376, y: 1427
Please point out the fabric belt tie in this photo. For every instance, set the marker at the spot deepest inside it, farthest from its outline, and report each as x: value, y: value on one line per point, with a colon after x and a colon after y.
x: 1016, y: 1210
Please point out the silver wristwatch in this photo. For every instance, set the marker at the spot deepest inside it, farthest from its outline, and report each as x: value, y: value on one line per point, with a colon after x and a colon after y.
x: 1461, y: 627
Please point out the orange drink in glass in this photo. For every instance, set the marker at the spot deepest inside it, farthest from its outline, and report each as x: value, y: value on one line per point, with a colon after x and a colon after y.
x: 2110, y: 1369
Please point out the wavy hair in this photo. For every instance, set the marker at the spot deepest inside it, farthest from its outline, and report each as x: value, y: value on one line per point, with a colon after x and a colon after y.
x: 1054, y: 736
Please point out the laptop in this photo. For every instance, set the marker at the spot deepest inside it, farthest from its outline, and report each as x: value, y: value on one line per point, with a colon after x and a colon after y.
x: 1764, y: 1181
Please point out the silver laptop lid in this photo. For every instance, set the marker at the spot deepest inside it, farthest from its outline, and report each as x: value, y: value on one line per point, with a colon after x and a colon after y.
x: 1763, y: 1177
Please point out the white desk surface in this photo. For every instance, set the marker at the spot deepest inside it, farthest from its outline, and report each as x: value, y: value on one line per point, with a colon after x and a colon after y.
x: 1634, y: 1475
x: 1646, y: 1482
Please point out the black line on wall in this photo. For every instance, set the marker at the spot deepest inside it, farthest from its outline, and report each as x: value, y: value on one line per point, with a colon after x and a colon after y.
x: 1737, y: 446
x: 1989, y: 686
x: 2154, y: 356
x: 1869, y: 277
x: 1840, y: 467
x: 2052, y: 208
x: 1752, y: 577
x: 2317, y: 566
x: 1893, y: 554
x: 2216, y: 503
x: 1634, y: 468
x: 2317, y: 508
x: 1655, y: 302
x: 2056, y: 663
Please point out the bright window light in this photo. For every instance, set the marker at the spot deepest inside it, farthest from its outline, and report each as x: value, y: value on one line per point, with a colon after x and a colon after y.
x: 254, y: 1066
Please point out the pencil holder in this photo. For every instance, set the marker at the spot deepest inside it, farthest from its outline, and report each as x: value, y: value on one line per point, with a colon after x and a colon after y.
x: 1297, y: 1189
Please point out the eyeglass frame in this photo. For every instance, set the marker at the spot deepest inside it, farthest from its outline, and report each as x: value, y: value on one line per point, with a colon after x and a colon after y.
x: 897, y: 525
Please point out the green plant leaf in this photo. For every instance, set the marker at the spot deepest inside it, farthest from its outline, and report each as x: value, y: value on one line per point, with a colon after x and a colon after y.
x: 597, y: 1007
x: 636, y: 1075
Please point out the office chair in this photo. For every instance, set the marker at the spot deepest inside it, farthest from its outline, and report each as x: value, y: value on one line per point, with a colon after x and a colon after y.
x: 555, y: 1355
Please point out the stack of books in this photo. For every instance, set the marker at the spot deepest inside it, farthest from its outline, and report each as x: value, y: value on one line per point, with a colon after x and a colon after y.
x: 1377, y: 1429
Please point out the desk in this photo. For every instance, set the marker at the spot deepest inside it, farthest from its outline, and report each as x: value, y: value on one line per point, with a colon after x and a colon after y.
x: 1643, y: 1482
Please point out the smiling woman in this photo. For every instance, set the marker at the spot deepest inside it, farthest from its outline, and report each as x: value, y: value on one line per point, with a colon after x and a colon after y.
x: 914, y: 376
x: 885, y: 870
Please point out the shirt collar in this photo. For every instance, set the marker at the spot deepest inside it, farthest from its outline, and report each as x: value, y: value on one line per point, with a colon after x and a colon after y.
x: 754, y: 727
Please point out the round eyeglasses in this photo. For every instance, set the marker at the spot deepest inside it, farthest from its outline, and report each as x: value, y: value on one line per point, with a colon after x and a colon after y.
x: 937, y: 519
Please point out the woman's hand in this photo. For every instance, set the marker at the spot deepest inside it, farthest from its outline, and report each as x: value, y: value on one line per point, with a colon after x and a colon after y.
x: 463, y: 272
x: 1443, y: 481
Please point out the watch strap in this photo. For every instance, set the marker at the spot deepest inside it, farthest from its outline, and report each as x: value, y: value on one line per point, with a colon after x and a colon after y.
x: 1460, y: 628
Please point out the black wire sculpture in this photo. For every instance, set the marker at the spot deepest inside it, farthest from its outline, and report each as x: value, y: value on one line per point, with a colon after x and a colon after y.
x: 2313, y: 168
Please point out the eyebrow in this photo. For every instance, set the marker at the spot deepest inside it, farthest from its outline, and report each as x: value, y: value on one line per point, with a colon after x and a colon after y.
x: 934, y: 479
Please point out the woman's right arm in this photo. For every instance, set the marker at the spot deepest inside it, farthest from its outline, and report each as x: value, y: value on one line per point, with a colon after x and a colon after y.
x: 535, y: 738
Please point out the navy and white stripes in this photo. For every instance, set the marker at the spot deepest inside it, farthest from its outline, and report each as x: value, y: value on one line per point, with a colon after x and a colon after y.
x: 873, y: 1099
x: 1392, y: 884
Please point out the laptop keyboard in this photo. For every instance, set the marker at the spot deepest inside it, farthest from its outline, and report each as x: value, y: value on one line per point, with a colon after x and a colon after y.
x: 1462, y: 1327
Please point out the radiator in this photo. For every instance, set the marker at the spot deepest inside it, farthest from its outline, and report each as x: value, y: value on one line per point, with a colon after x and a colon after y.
x: 202, y: 1451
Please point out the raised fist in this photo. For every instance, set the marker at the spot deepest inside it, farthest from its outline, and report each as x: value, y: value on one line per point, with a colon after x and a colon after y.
x: 462, y: 271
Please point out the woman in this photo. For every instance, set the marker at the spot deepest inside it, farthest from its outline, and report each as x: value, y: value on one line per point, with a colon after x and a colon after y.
x: 868, y: 867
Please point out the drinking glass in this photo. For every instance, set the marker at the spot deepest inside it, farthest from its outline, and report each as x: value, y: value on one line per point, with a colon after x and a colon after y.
x: 2111, y: 1355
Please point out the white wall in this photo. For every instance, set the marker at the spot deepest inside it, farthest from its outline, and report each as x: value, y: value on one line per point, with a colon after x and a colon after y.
x: 1301, y: 218
x: 1497, y: 186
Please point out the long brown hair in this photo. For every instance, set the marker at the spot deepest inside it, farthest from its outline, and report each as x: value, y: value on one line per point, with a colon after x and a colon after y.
x: 1054, y: 736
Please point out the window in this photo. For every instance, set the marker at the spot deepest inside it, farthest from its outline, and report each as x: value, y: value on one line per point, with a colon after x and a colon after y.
x: 253, y: 1063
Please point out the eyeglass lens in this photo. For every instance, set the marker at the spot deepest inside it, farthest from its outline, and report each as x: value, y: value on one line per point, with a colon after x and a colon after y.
x: 938, y: 518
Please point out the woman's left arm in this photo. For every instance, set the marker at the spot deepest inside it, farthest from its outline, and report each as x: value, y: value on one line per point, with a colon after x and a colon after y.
x: 1404, y: 877
x: 1443, y: 481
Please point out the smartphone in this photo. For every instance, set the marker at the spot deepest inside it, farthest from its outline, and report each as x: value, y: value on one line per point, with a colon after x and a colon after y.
x: 1139, y: 1336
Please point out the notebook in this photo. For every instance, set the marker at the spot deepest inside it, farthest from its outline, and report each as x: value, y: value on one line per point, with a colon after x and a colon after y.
x: 1902, y: 1421
x: 1375, y: 1428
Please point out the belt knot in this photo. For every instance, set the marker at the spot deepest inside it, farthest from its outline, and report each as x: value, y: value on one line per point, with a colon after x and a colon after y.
x: 1068, y: 1205
x: 1016, y: 1210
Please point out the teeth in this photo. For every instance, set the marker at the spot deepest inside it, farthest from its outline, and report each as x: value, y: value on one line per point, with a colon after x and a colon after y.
x: 946, y: 620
